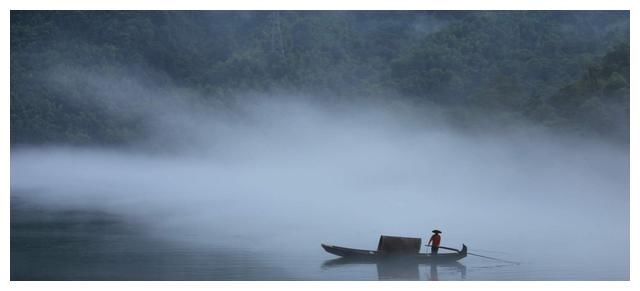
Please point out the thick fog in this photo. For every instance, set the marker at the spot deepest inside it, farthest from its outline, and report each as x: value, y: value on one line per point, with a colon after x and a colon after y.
x: 290, y: 172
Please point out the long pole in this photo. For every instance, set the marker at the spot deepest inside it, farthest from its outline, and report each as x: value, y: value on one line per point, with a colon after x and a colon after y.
x: 486, y: 257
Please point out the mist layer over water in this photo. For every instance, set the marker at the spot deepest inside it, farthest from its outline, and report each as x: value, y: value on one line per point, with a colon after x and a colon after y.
x: 291, y: 174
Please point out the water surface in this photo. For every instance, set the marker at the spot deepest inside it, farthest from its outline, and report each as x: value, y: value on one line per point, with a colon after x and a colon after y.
x: 94, y: 245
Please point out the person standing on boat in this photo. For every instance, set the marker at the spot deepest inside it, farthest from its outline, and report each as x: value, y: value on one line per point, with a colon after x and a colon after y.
x: 434, y: 241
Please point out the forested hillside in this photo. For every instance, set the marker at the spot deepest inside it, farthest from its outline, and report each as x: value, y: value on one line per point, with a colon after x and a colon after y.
x: 568, y: 71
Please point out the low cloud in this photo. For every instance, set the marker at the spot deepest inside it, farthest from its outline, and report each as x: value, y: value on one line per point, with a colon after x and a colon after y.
x: 288, y: 171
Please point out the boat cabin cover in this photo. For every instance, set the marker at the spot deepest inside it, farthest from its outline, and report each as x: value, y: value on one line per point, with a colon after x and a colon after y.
x: 396, y: 244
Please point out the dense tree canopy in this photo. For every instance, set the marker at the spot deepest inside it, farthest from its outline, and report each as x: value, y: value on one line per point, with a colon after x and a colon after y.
x: 563, y: 70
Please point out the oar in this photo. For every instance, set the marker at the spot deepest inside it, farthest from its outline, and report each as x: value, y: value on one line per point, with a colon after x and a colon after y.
x: 486, y: 257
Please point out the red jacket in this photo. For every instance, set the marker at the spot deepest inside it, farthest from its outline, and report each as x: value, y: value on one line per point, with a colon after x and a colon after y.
x: 434, y: 241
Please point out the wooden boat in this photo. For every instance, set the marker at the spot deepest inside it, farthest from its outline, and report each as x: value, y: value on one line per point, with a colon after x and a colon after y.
x: 372, y: 256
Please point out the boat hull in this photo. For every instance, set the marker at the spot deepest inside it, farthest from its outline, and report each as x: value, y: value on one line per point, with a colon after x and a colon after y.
x: 374, y: 256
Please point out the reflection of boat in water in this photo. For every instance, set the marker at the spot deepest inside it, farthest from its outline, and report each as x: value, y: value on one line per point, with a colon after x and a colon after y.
x: 381, y: 255
x: 400, y: 269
